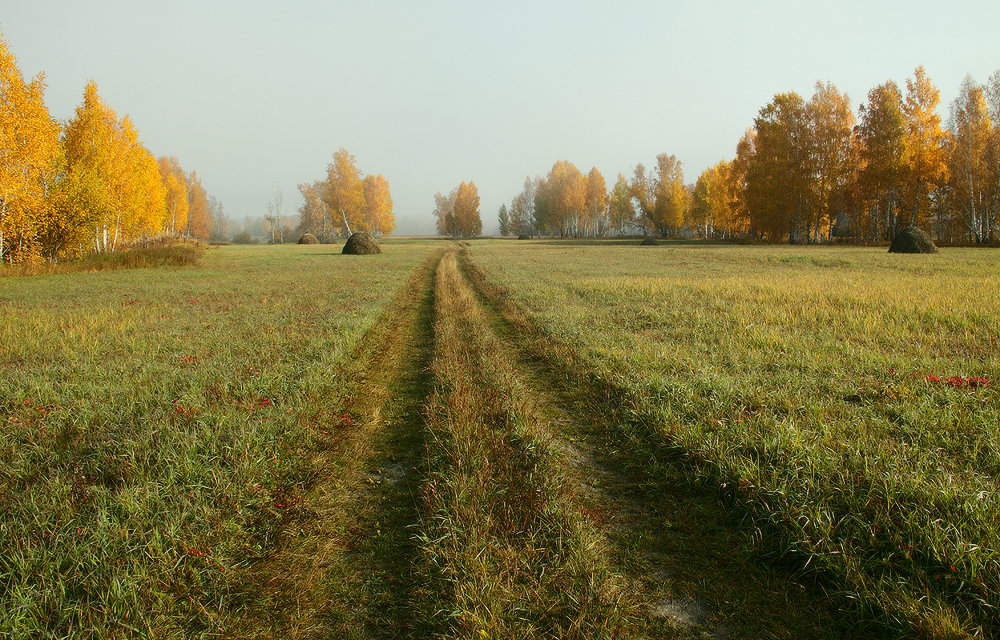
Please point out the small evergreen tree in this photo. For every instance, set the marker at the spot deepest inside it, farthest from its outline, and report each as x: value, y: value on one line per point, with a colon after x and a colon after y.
x: 504, y: 218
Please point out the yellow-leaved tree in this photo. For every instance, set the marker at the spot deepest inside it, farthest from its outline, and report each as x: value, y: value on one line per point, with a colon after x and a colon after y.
x: 880, y: 134
x: 142, y: 195
x: 596, y: 204
x: 314, y: 213
x: 974, y: 184
x: 29, y: 157
x: 832, y: 123
x: 444, y: 213
x: 377, y: 208
x: 621, y: 216
x: 122, y: 179
x: 199, y: 214
x: 64, y: 227
x: 923, y: 143
x: 561, y: 199
x: 343, y: 192
x: 779, y: 170
x: 661, y: 196
x: 176, y: 196
x: 736, y: 182
x: 467, y: 219
x: 672, y: 199
x: 712, y: 210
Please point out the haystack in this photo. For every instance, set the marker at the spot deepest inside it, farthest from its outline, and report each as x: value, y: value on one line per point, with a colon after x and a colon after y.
x: 912, y: 240
x: 308, y: 238
x: 362, y: 243
x: 647, y: 242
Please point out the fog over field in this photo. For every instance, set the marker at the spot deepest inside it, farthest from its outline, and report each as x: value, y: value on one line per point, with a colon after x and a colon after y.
x: 258, y: 96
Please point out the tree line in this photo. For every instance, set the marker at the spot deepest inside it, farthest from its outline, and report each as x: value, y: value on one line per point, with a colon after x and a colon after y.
x: 807, y: 171
x: 457, y: 214
x: 346, y: 201
x: 88, y: 184
x: 568, y: 203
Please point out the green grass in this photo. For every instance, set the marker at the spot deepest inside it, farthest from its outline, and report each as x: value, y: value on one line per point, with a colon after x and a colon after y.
x: 795, y: 381
x: 158, y: 428
x: 288, y: 441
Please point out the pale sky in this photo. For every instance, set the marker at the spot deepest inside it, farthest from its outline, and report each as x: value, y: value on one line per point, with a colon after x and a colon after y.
x: 256, y: 96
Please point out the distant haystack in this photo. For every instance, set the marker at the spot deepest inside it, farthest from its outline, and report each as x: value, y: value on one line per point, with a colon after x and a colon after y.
x: 308, y: 238
x: 649, y: 242
x: 912, y: 240
x: 362, y: 243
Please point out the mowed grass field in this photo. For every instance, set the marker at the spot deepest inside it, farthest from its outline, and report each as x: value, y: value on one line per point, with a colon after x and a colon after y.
x: 158, y: 428
x: 823, y: 392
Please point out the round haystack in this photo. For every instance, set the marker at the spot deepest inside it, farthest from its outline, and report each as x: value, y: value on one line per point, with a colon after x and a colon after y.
x: 308, y: 238
x: 362, y: 243
x: 912, y: 240
x: 648, y: 242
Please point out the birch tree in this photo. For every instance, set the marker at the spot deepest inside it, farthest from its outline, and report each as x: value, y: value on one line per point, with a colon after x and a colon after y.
x: 29, y: 154
x: 923, y: 144
x: 377, y: 205
x: 468, y: 222
x: 621, y: 211
x: 972, y: 162
x: 832, y: 123
x: 344, y: 192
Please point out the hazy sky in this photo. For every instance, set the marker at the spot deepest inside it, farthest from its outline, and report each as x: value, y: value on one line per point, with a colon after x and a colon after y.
x: 258, y: 95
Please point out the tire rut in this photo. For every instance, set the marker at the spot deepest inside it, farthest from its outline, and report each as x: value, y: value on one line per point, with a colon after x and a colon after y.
x: 346, y: 569
x: 655, y: 555
x: 672, y: 540
x: 509, y: 556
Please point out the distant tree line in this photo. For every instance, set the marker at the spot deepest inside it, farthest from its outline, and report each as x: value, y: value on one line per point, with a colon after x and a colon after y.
x: 807, y: 171
x: 346, y: 201
x: 88, y: 184
x: 457, y: 214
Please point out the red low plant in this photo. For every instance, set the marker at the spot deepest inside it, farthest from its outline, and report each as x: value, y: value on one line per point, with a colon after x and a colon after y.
x: 959, y: 382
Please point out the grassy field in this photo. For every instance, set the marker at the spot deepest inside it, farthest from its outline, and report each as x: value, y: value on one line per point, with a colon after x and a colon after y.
x: 824, y: 392
x: 503, y: 439
x: 158, y: 429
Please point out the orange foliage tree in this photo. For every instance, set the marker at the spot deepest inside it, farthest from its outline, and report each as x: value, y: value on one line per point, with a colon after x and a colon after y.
x: 343, y: 191
x: 125, y: 192
x: 176, y: 197
x: 347, y: 200
x: 90, y: 182
x: 199, y: 223
x: 29, y: 157
x: 467, y: 219
x: 377, y: 208
x: 923, y: 144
